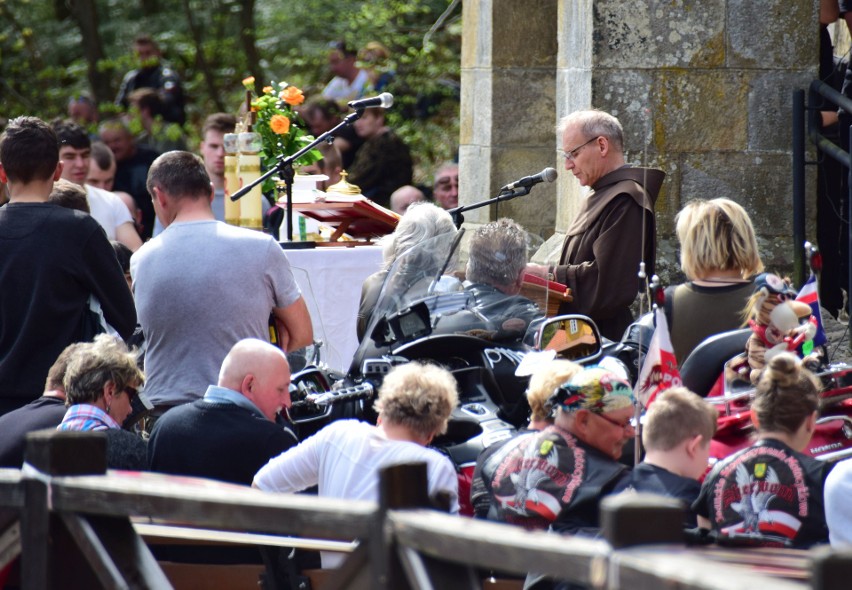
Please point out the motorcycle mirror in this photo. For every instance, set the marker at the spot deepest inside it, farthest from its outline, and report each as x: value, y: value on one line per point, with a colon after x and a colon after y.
x: 573, y: 337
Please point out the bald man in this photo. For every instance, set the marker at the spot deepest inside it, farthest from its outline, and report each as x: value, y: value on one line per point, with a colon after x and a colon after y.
x: 232, y: 431
x: 403, y: 197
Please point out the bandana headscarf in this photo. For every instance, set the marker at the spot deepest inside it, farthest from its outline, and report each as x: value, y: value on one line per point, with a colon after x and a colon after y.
x: 594, y: 389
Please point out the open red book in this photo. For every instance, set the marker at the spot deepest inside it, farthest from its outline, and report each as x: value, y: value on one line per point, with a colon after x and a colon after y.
x: 539, y: 289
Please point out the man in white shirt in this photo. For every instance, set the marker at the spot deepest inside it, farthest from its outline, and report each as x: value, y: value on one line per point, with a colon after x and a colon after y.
x: 349, y: 81
x: 109, y: 211
x: 102, y: 175
x: 344, y: 458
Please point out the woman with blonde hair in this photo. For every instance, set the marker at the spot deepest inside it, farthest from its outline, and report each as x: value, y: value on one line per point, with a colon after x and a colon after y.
x: 718, y: 254
x: 771, y: 494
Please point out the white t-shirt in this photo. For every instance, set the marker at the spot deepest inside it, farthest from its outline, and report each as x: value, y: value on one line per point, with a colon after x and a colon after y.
x: 107, y: 209
x: 341, y: 90
x: 838, y: 509
x: 344, y: 459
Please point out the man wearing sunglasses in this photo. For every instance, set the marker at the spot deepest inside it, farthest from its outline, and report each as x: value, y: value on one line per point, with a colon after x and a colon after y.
x: 614, y: 230
x: 558, y: 476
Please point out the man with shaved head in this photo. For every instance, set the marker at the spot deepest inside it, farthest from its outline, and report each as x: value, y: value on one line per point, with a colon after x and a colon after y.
x: 234, y: 429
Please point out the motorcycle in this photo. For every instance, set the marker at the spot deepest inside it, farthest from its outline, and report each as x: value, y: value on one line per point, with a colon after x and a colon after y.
x: 714, y: 360
x: 425, y: 313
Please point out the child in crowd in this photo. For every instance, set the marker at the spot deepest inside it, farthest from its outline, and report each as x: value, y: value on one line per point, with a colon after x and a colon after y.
x: 676, y: 436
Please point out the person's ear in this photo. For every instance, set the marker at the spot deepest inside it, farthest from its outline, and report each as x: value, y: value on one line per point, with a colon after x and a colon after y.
x: 693, y: 444
x: 212, y: 194
x: 247, y: 385
x: 603, y: 146
x: 811, y: 422
x: 158, y: 196
x: 3, y: 178
x: 581, y: 421
x: 109, y: 392
x: 57, y: 174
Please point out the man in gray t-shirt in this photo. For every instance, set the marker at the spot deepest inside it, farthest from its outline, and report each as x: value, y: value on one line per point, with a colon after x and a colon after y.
x: 202, y: 285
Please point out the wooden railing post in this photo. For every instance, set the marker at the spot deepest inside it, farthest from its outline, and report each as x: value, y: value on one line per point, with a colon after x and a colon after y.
x: 831, y: 569
x: 400, y: 486
x: 641, y: 519
x: 45, y: 546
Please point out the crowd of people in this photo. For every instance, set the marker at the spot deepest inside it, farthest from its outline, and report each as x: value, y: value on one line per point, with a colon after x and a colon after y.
x: 199, y: 295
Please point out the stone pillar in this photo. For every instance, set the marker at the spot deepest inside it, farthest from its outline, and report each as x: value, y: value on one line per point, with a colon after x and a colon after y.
x: 507, y: 105
x: 703, y: 90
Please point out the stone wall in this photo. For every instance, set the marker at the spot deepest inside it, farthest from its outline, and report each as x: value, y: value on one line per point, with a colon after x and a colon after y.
x: 703, y: 89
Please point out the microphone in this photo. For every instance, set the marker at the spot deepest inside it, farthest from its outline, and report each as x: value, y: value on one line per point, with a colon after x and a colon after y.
x: 546, y: 175
x: 384, y: 100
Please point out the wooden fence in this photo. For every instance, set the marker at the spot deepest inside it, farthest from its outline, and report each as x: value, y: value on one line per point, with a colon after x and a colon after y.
x: 70, y: 522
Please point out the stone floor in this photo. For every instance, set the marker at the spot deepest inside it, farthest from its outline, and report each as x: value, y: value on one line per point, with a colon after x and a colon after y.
x: 838, y: 338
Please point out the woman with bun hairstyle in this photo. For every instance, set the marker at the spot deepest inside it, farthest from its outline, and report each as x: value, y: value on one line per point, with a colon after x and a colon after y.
x: 770, y: 494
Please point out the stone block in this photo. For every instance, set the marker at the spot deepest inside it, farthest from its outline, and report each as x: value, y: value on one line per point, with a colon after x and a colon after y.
x: 668, y: 261
x: 524, y: 33
x: 770, y: 108
x: 476, y: 107
x: 474, y: 173
x: 659, y: 34
x: 570, y: 199
x: 476, y: 40
x: 668, y: 201
x: 627, y: 96
x: 528, y: 121
x: 575, y: 34
x: 573, y: 91
x: 536, y: 211
x: 550, y: 251
x: 701, y: 110
x: 772, y: 34
x: 760, y: 182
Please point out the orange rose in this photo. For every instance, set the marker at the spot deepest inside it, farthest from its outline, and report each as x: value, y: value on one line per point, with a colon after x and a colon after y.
x: 267, y: 89
x: 279, y: 124
x: 249, y: 82
x: 292, y: 96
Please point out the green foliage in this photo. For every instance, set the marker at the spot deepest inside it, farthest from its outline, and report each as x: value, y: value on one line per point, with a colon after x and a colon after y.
x: 42, y: 60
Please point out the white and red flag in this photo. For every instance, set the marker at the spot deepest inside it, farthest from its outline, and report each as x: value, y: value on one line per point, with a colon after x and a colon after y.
x: 659, y: 368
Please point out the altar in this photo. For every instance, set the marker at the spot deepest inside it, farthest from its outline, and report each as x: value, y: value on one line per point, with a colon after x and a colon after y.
x: 330, y: 279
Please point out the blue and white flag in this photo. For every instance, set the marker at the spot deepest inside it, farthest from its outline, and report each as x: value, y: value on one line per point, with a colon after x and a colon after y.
x: 810, y: 295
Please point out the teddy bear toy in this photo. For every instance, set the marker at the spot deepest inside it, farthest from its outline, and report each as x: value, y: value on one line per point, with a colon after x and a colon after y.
x: 778, y: 323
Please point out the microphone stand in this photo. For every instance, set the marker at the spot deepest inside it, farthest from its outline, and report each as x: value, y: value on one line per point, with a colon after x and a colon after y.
x: 284, y: 168
x: 504, y: 195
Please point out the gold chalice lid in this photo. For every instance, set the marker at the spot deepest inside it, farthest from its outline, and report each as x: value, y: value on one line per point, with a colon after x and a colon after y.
x: 343, y: 187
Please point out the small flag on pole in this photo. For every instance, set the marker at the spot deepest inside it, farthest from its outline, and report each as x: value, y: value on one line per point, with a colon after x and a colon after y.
x: 810, y: 294
x: 659, y: 369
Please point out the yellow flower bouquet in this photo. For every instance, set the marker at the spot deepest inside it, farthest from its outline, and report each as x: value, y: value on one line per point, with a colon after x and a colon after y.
x: 282, y: 131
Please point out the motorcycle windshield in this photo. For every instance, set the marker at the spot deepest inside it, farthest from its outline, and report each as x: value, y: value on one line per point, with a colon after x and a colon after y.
x: 319, y: 350
x: 427, y: 291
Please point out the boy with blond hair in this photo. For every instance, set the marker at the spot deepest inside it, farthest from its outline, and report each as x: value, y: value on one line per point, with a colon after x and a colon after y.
x: 676, y: 436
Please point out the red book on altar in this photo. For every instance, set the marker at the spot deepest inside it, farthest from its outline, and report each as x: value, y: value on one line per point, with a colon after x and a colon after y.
x: 346, y: 210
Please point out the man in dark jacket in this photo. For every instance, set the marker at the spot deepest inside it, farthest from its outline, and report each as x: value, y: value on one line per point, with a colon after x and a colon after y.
x: 152, y: 73
x: 614, y: 230
x: 53, y: 260
x: 557, y: 476
x: 231, y: 432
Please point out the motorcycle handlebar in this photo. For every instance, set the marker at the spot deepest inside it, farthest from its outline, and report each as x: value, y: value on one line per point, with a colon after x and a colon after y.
x: 327, y: 398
